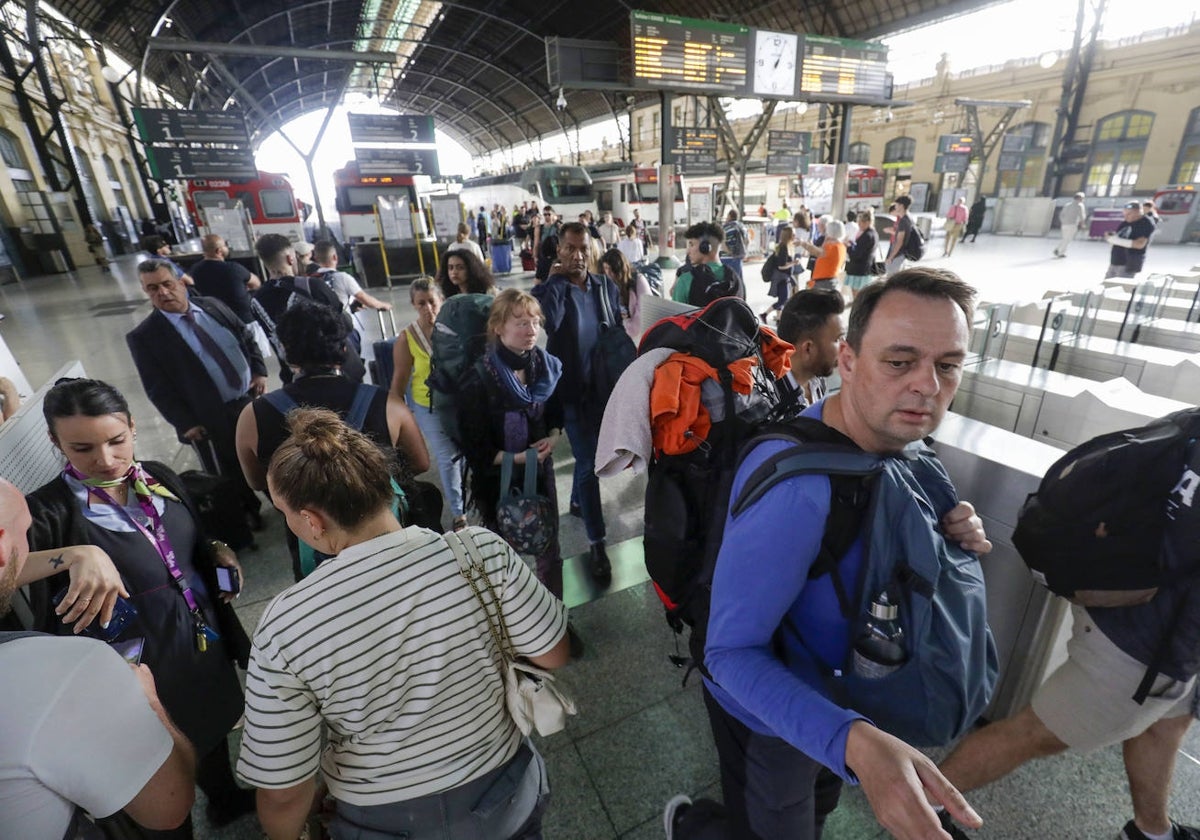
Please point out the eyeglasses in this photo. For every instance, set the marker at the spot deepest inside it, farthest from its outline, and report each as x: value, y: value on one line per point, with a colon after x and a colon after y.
x: 165, y: 285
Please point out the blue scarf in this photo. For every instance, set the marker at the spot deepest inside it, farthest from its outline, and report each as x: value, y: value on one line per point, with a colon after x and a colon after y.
x: 543, y: 374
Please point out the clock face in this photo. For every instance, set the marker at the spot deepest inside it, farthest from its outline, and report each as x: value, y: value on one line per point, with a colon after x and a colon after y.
x: 775, y: 63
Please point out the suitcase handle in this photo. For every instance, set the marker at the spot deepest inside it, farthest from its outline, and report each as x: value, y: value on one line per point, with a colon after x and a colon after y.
x: 382, y: 327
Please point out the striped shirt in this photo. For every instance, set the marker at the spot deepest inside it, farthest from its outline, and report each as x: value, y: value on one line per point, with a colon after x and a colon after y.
x: 387, y: 646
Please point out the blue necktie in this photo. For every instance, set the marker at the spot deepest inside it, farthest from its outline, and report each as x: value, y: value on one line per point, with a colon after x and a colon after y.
x: 232, y: 377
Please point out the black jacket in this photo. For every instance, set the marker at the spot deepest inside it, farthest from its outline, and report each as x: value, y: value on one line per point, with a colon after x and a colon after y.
x: 175, y: 379
x: 58, y: 522
x: 561, y: 316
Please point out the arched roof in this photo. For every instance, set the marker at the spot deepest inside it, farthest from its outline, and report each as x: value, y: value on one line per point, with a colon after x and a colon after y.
x: 478, y: 66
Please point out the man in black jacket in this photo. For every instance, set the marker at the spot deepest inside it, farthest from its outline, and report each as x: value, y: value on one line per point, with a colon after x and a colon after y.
x: 199, y: 365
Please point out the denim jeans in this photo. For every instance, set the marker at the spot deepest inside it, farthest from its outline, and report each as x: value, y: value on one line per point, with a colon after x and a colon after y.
x: 583, y: 440
x: 443, y: 452
x: 504, y: 804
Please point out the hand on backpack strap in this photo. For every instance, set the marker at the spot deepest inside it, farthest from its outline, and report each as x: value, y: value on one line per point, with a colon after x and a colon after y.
x: 900, y: 782
x: 965, y: 527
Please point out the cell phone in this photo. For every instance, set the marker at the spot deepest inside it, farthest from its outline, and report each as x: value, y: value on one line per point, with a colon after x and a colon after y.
x: 123, y: 614
x: 228, y: 580
x: 130, y: 649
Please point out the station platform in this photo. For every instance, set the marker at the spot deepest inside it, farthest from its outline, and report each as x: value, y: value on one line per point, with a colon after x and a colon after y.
x: 640, y: 736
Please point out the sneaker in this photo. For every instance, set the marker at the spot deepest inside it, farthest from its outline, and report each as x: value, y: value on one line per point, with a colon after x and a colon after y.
x: 598, y: 565
x: 950, y: 828
x: 676, y: 808
x: 1178, y: 832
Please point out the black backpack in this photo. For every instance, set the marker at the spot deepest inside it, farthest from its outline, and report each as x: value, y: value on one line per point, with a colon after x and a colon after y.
x: 914, y: 244
x: 1094, y: 529
x: 735, y: 241
x: 548, y: 247
x: 706, y: 287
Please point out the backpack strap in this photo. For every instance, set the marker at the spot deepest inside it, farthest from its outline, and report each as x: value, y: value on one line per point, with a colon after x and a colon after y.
x: 280, y: 401
x: 506, y: 472
x: 13, y: 635
x: 819, y: 450
x: 531, y: 471
x: 356, y: 415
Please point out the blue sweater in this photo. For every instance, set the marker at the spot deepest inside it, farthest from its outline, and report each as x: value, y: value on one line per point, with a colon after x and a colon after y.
x: 761, y: 576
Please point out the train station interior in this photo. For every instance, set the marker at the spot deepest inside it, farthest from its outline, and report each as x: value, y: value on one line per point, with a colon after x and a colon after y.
x: 1058, y: 354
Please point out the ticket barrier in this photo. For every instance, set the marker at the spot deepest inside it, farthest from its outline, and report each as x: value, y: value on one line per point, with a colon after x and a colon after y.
x: 1182, y: 301
x: 995, y: 470
x: 1140, y: 322
x: 1056, y: 345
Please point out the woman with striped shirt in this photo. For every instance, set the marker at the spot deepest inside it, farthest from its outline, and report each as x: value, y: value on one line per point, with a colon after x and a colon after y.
x: 377, y: 672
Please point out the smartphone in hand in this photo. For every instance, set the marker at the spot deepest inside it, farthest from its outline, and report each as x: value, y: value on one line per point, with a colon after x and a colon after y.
x: 228, y: 580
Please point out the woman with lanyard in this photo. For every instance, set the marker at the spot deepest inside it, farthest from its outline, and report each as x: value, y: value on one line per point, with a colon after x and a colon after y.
x: 411, y: 360
x: 141, y: 516
x: 507, y: 406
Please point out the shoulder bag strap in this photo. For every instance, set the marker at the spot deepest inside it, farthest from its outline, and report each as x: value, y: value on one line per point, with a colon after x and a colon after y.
x: 470, y: 566
x: 419, y: 337
x: 531, y: 471
x: 506, y: 471
x: 605, y: 312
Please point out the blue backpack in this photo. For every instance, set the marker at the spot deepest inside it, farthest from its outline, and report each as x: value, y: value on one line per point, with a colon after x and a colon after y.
x: 896, y: 504
x: 355, y: 417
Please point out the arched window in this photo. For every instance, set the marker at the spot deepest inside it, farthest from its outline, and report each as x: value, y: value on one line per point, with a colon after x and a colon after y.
x: 1187, y: 162
x: 1117, y: 151
x: 900, y: 151
x: 859, y: 153
x: 1022, y: 162
x: 11, y: 151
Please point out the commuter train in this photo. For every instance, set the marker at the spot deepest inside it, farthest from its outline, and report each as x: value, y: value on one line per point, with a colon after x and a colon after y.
x: 269, y: 201
x: 623, y: 187
x: 1179, y: 213
x: 568, y: 189
x: 814, y: 189
x: 355, y: 196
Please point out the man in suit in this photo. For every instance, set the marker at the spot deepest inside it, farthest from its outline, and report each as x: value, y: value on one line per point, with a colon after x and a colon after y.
x: 199, y: 366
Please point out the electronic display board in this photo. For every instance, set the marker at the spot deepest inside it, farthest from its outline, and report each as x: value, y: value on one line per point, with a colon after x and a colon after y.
x: 234, y: 164
x: 391, y: 128
x: 951, y: 162
x: 172, y: 125
x: 695, y: 151
x: 678, y: 53
x: 397, y: 161
x: 1014, y: 143
x: 956, y: 144
x: 786, y: 163
x: 833, y: 68
x: 789, y: 141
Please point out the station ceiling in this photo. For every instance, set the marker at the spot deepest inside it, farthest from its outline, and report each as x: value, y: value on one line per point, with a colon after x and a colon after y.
x: 478, y: 66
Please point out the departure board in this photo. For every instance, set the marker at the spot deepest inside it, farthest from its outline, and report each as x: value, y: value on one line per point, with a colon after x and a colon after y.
x: 838, y: 67
x: 688, y: 54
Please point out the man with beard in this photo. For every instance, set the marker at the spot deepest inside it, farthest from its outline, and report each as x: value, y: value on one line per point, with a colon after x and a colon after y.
x: 812, y: 322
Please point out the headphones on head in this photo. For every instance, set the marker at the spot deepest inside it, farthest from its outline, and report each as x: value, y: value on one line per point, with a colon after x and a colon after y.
x: 705, y: 246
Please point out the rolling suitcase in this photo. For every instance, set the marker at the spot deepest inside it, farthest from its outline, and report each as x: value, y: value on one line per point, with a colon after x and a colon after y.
x: 381, y: 365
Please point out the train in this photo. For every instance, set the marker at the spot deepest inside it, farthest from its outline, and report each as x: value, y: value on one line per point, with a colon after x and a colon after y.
x: 268, y: 200
x: 623, y: 187
x: 355, y: 196
x: 568, y: 189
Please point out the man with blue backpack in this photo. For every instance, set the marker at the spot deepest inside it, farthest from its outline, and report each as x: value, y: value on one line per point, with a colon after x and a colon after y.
x: 846, y: 615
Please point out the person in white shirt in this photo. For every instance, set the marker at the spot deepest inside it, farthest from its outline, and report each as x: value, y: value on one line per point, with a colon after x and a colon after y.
x: 325, y: 255
x: 1073, y: 218
x: 464, y: 242
x: 631, y: 245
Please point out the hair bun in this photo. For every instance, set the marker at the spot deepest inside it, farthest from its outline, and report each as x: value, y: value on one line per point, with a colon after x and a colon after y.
x: 318, y: 432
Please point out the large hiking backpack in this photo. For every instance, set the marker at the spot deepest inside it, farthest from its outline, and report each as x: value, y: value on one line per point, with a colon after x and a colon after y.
x: 682, y: 489
x: 459, y: 340
x: 653, y: 274
x: 895, y: 504
x: 1093, y: 531
x: 735, y: 239
x: 914, y: 244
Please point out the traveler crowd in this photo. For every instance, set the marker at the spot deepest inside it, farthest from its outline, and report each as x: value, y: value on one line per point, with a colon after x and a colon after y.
x: 376, y: 692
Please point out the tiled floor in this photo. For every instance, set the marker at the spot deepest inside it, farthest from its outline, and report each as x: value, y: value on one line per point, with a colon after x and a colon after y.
x: 640, y: 737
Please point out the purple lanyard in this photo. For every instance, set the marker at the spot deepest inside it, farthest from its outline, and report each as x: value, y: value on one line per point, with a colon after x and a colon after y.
x: 158, y: 537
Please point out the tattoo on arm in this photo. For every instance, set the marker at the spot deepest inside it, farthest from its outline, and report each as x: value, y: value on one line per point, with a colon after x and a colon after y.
x: 57, y: 561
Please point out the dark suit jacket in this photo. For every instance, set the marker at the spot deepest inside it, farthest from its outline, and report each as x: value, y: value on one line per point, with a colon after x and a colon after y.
x: 175, y: 379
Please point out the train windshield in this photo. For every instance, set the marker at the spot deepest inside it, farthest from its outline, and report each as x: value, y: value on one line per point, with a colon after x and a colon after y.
x: 566, y: 184
x: 648, y: 192
x: 1175, y: 202
x: 277, y: 204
